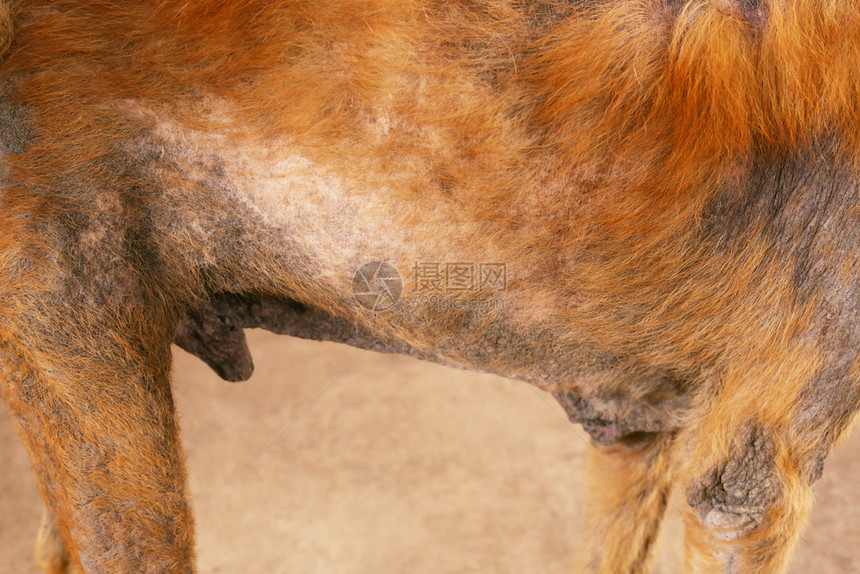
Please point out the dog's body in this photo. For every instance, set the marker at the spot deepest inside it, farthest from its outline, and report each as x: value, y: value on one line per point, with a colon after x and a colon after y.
x: 669, y: 186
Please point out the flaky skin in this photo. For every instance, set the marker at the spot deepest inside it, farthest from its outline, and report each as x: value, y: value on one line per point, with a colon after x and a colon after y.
x: 670, y: 185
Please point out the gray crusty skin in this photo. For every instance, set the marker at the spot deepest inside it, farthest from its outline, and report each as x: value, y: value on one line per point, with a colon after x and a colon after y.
x: 672, y: 184
x: 214, y: 333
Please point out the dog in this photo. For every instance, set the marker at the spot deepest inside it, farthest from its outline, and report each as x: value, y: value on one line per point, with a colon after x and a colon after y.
x: 645, y: 207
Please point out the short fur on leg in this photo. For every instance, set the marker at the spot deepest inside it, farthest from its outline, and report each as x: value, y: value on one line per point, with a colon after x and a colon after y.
x: 103, y: 440
x: 628, y: 487
x: 746, y: 514
x: 747, y: 470
x: 51, y: 555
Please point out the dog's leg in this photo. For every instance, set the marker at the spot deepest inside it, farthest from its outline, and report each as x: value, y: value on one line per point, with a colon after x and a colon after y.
x: 51, y: 554
x: 628, y: 486
x: 749, y: 464
x: 746, y: 510
x: 92, y: 403
x: 228, y: 354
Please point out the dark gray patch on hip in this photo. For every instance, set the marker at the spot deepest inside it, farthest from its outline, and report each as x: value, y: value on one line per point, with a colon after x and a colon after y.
x: 16, y: 122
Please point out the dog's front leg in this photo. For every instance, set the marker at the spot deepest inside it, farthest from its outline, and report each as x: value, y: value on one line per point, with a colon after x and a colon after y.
x: 90, y: 394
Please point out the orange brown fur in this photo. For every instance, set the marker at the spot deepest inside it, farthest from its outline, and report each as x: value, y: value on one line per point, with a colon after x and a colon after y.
x: 671, y: 183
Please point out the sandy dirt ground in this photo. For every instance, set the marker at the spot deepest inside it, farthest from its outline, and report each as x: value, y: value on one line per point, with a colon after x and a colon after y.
x: 334, y: 460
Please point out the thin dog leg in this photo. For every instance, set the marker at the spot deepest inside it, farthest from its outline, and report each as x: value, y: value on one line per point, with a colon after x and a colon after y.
x: 629, y: 484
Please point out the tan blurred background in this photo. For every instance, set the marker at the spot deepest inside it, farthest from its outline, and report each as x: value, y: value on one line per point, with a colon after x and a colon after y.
x: 334, y: 460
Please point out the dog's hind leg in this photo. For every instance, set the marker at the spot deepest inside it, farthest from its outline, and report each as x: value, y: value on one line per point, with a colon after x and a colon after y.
x: 629, y: 483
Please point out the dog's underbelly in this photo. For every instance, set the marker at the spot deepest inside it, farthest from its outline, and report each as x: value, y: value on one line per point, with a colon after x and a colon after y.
x: 308, y: 231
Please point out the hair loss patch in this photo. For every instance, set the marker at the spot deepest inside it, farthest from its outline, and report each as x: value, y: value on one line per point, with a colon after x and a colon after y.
x: 733, y: 497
